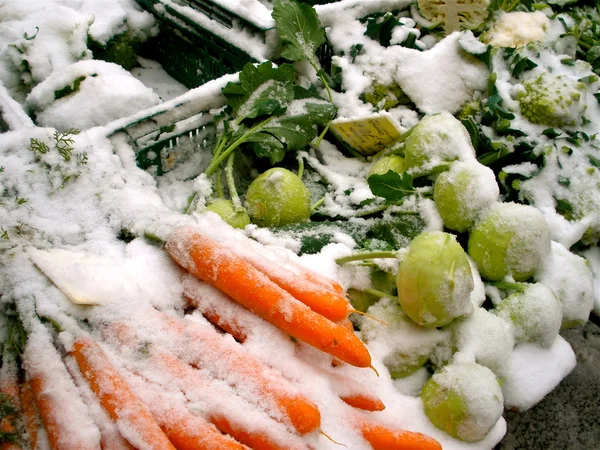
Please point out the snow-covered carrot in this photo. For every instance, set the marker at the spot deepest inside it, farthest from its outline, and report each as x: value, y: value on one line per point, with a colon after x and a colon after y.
x: 133, y: 417
x: 31, y: 420
x: 64, y: 415
x: 186, y: 430
x: 382, y: 437
x: 234, y: 363
x: 255, y: 437
x: 318, y: 295
x: 196, y: 383
x: 229, y: 316
x: 217, y: 265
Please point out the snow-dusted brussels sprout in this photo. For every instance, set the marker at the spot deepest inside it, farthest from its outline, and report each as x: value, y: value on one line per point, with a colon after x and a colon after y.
x: 225, y: 209
x: 435, y: 142
x: 484, y: 338
x: 570, y: 278
x: 277, y: 197
x: 464, y: 400
x: 535, y: 314
x: 509, y: 240
x: 387, y: 163
x: 406, y: 345
x: 462, y: 192
x: 435, y: 280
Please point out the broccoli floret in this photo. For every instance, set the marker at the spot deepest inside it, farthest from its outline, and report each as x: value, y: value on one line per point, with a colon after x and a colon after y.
x: 385, y: 97
x: 553, y: 100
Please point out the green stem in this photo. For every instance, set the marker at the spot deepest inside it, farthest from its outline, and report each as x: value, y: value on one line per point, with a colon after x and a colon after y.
x: 508, y: 286
x: 216, y: 162
x: 366, y: 255
x: 322, y: 135
x: 317, y: 203
x: 235, y: 198
x: 219, y: 184
x: 378, y: 293
x: 300, y: 167
x: 191, y: 199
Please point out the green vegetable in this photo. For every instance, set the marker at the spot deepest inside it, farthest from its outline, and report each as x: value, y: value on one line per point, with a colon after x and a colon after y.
x: 301, y: 34
x: 385, y: 97
x: 390, y: 162
x: 553, y: 100
x: 462, y: 192
x: 510, y: 240
x: 225, y: 209
x: 435, y: 280
x: 535, y: 314
x: 277, y: 197
x: 464, y: 400
x: 435, y: 142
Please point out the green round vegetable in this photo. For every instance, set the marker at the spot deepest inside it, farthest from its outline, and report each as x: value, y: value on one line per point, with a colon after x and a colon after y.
x: 277, y: 197
x: 435, y: 280
x: 387, y: 163
x: 535, y: 314
x: 510, y: 240
x: 461, y: 193
x: 225, y: 209
x: 464, y: 400
x: 435, y: 142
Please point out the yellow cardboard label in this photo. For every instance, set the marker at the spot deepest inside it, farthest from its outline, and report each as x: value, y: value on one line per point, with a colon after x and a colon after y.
x: 367, y: 135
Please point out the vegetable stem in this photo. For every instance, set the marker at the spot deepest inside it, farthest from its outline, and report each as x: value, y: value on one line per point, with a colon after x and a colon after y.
x: 366, y: 255
x: 218, y: 159
x: 235, y: 199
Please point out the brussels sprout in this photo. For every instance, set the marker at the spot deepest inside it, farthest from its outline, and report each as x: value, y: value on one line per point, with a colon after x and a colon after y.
x: 435, y: 142
x: 277, y: 197
x: 387, y: 163
x: 509, y: 240
x: 485, y: 338
x: 559, y: 272
x: 464, y: 400
x: 225, y: 209
x: 461, y: 193
x: 407, y: 346
x: 535, y: 314
x: 435, y: 280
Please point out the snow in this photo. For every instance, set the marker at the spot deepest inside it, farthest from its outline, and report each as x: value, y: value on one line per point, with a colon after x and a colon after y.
x: 62, y: 259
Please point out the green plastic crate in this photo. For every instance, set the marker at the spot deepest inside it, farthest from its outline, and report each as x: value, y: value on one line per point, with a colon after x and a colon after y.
x: 193, y: 54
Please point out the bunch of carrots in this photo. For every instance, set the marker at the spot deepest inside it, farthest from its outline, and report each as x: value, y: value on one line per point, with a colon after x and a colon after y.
x: 139, y: 393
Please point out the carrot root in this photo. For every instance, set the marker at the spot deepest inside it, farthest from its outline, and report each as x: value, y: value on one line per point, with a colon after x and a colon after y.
x: 218, y: 266
x: 117, y: 398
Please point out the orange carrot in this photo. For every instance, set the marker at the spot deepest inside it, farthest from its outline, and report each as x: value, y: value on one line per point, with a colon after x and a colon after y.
x: 255, y: 438
x: 117, y: 398
x: 31, y: 419
x: 382, y: 437
x: 192, y: 381
x: 318, y: 295
x: 246, y: 370
x: 49, y: 413
x: 186, y: 430
x: 218, y: 266
x: 362, y: 401
x: 239, y: 326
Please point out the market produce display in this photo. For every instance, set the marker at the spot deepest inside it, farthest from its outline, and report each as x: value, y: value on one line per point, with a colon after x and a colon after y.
x: 368, y: 237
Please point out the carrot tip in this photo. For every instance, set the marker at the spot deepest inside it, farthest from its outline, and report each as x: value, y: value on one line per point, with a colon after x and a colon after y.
x: 374, y: 369
x: 369, y: 316
x: 332, y: 440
